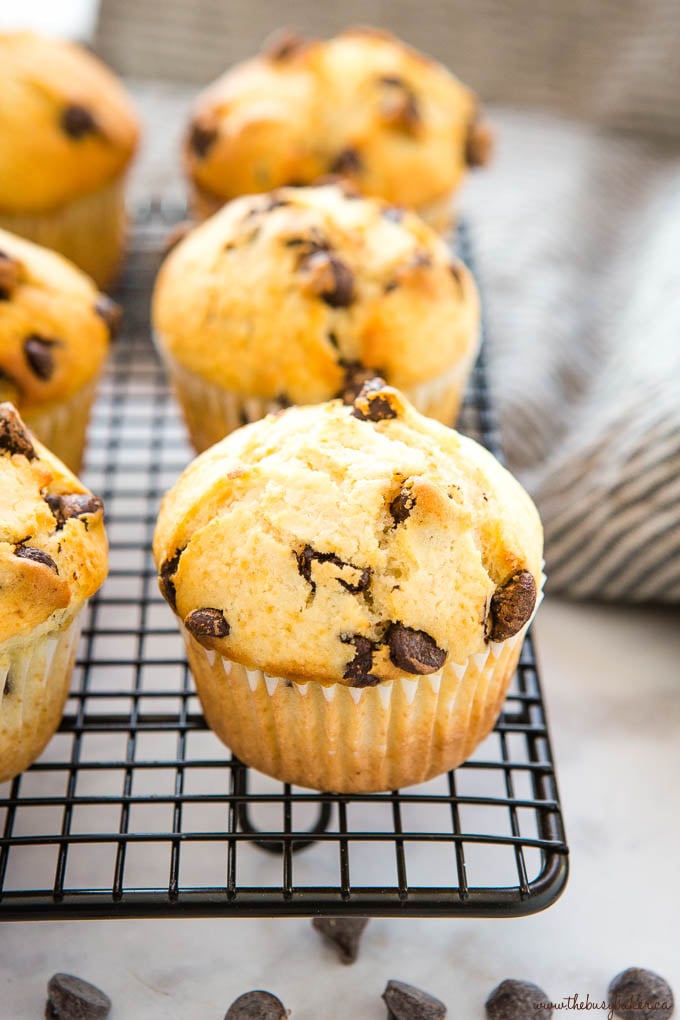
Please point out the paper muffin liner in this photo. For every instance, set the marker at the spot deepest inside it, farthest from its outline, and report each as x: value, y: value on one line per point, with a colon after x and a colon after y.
x: 212, y: 412
x: 440, y: 214
x: 62, y: 427
x: 35, y: 675
x: 89, y: 230
x: 355, y: 739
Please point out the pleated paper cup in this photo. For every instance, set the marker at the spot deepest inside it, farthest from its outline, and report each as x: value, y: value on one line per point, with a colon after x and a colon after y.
x: 35, y: 675
x: 62, y: 427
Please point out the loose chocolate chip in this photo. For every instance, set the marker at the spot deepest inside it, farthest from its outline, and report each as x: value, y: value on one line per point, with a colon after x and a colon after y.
x: 511, y: 606
x: 77, y: 121
x: 405, y: 1002
x: 39, y: 353
x: 13, y: 435
x: 207, y: 623
x: 478, y: 143
x: 306, y: 558
x: 347, y: 161
x: 516, y: 1000
x: 343, y: 932
x: 394, y: 213
x: 329, y: 278
x: 356, y: 375
x: 639, y: 994
x: 9, y: 275
x: 29, y: 552
x: 71, y: 998
x: 202, y: 137
x: 167, y: 585
x: 257, y: 1005
x: 283, y: 45
x: 372, y: 404
x: 414, y: 651
x: 359, y: 669
x: 73, y: 505
x: 110, y: 312
x: 401, y: 506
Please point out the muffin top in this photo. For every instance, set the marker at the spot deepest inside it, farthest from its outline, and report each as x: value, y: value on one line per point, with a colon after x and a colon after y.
x: 66, y: 124
x: 349, y: 543
x: 55, y: 326
x: 290, y: 295
x: 53, y: 550
x: 363, y: 105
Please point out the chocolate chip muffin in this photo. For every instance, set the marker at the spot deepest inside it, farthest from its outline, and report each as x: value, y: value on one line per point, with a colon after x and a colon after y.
x: 68, y: 133
x: 299, y: 295
x: 55, y: 328
x: 53, y: 557
x: 353, y: 582
x: 362, y: 105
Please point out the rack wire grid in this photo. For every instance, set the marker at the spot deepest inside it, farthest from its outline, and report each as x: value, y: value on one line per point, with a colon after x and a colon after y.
x: 136, y: 809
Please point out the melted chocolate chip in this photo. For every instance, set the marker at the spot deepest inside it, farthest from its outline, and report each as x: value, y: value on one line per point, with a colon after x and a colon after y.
x: 283, y: 45
x: 401, y: 506
x: 343, y: 932
x: 167, y: 585
x: 39, y: 353
x: 78, y: 122
x: 257, y: 1005
x: 511, y: 606
x: 414, y: 651
x: 71, y: 998
x: 202, y: 137
x: 400, y: 108
x: 347, y: 161
x: 356, y: 376
x: 9, y: 275
x: 639, y: 994
x: 308, y: 555
x: 14, y: 437
x: 71, y: 505
x: 405, y: 1002
x: 478, y: 143
x: 110, y: 312
x: 516, y: 1000
x: 29, y: 552
x: 329, y: 278
x: 372, y: 404
x: 359, y: 669
x: 207, y: 623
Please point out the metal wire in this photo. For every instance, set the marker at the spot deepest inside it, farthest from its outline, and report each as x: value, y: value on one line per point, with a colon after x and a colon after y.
x: 135, y: 809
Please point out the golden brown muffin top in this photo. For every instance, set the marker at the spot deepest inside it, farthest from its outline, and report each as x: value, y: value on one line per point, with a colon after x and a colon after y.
x: 53, y: 549
x: 349, y: 543
x: 55, y: 326
x: 67, y: 125
x: 290, y: 295
x: 363, y: 105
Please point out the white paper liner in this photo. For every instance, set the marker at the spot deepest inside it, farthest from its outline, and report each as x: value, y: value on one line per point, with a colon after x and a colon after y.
x: 34, y: 685
x: 62, y: 427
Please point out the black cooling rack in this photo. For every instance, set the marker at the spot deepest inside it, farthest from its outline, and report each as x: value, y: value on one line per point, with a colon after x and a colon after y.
x: 135, y: 808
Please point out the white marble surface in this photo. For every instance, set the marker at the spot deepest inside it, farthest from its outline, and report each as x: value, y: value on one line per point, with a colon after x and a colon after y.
x: 613, y: 690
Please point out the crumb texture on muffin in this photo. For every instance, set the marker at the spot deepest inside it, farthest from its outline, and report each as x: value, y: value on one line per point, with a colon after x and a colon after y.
x: 363, y: 105
x: 293, y: 295
x: 67, y: 126
x: 53, y: 549
x: 55, y: 325
x: 349, y: 543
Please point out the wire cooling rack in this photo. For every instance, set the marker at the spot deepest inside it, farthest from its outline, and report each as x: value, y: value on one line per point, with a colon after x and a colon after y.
x: 136, y: 809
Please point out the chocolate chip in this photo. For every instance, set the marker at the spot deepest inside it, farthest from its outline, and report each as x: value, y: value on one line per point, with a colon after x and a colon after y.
x: 511, y: 606
x: 73, y: 505
x: 71, y: 998
x: 516, y: 1000
x: 401, y: 506
x: 39, y: 353
x: 29, y: 552
x: 414, y: 651
x: 77, y: 121
x: 356, y: 375
x: 9, y: 275
x: 400, y: 108
x: 207, y: 623
x: 306, y: 558
x: 405, y: 1002
x: 167, y: 585
x: 329, y: 278
x: 478, y: 143
x: 9, y: 685
x: 347, y: 161
x: 394, y: 213
x: 359, y: 669
x: 257, y: 1005
x: 372, y: 404
x: 283, y: 45
x: 14, y: 437
x: 343, y: 932
x: 639, y: 994
x: 202, y: 137
x: 110, y: 312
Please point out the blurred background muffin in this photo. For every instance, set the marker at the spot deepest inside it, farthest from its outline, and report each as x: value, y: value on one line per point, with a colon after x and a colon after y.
x: 362, y: 105
x: 296, y: 296
x: 55, y: 329
x: 68, y: 133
